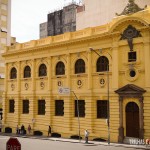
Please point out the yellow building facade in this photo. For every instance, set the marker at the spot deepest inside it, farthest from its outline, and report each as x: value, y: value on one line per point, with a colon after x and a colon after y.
x: 104, y: 66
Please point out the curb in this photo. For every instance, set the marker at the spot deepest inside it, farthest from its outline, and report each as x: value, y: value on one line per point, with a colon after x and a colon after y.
x: 77, y: 141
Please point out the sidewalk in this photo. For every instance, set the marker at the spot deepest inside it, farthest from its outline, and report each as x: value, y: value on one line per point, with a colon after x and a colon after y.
x: 77, y: 141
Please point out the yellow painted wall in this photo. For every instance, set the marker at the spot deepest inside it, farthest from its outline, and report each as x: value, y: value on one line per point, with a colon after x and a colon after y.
x: 68, y: 48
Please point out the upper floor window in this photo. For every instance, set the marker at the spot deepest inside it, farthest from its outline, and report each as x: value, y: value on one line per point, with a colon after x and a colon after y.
x: 79, y: 66
x: 42, y: 70
x: 13, y: 73
x: 131, y: 56
x: 27, y: 72
x: 60, y: 68
x: 102, y: 64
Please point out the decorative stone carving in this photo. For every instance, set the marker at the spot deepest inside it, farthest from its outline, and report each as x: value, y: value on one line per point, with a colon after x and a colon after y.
x: 129, y: 33
x: 59, y: 83
x: 12, y: 86
x: 102, y: 82
x: 79, y: 83
x: 130, y: 91
x: 130, y: 8
x: 26, y: 86
x: 42, y: 85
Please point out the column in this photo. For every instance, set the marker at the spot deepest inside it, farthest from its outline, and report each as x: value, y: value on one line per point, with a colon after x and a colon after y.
x: 68, y: 101
x: 18, y: 98
x: 89, y: 70
x: 68, y: 68
x: 49, y: 103
x: 121, y: 129
x: 141, y: 132
x: 147, y: 62
x: 33, y: 99
x: 115, y: 64
x: 5, y: 101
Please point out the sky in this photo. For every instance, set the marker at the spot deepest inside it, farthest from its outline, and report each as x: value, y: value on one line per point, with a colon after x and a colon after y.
x: 26, y: 16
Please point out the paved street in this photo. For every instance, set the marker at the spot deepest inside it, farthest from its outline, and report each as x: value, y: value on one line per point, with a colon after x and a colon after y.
x: 48, y: 144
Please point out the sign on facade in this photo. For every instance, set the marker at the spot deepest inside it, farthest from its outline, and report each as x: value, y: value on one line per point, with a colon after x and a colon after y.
x: 63, y: 90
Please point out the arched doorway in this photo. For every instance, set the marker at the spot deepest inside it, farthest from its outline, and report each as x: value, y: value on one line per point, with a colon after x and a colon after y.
x: 132, y: 120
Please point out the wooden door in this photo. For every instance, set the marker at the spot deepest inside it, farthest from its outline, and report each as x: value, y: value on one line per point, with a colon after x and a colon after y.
x: 132, y: 120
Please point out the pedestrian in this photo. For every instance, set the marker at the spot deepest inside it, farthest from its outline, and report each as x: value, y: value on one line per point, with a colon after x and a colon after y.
x: 49, y: 130
x: 17, y: 130
x: 86, y: 135
x: 29, y: 129
x: 22, y: 129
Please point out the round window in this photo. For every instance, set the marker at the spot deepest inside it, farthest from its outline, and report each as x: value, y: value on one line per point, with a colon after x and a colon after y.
x: 132, y: 73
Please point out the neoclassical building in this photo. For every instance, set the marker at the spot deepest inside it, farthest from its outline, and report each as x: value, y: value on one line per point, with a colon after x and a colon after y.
x: 107, y: 68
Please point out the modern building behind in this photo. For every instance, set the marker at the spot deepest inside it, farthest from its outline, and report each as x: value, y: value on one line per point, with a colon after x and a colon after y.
x: 43, y: 30
x: 5, y: 40
x: 60, y: 21
x: 93, y: 12
x: 106, y: 66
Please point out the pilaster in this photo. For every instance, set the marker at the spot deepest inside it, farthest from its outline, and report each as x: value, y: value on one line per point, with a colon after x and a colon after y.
x: 18, y: 98
x: 49, y: 101
x: 89, y: 113
x: 121, y: 129
x: 68, y: 70
x: 115, y: 65
x: 147, y: 62
x: 89, y: 70
x: 141, y: 119
x: 33, y: 99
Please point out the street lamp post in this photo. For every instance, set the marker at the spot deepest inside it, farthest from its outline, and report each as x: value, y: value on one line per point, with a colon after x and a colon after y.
x: 108, y: 112
x: 78, y: 114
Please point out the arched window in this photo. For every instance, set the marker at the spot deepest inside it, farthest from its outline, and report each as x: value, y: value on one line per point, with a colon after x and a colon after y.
x: 27, y: 72
x: 13, y: 73
x: 42, y: 70
x: 60, y: 68
x: 102, y: 64
x: 80, y: 66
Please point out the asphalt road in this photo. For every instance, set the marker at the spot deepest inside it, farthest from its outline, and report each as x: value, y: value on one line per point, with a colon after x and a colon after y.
x: 40, y: 144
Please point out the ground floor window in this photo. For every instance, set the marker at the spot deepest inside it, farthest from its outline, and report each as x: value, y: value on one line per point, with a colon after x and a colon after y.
x: 102, y: 108
x: 59, y: 107
x: 11, y: 106
x: 41, y: 107
x: 25, y: 106
x: 81, y: 106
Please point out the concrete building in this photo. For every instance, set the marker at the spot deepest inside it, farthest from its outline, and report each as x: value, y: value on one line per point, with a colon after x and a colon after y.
x: 93, y: 13
x: 43, y: 30
x: 60, y: 21
x: 5, y: 39
x: 107, y: 67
